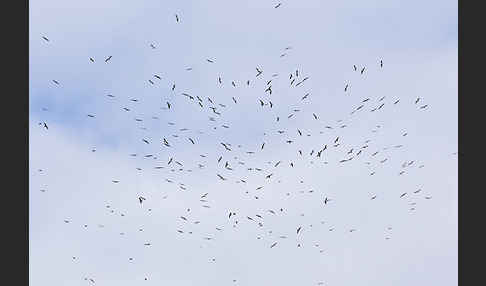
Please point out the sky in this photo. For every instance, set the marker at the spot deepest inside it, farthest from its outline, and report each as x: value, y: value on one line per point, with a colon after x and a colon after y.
x: 407, y: 240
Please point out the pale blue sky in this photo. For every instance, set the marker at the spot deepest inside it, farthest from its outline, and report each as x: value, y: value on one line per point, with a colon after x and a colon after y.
x: 418, y: 44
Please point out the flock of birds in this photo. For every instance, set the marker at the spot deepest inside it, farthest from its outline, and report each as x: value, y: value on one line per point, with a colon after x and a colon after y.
x: 235, y: 165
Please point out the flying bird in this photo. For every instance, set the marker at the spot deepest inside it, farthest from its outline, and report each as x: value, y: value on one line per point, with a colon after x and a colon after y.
x: 269, y: 89
x: 221, y: 177
x: 259, y: 72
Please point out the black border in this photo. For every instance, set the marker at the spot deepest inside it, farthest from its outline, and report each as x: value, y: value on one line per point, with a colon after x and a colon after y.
x: 470, y: 117
x: 15, y: 140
